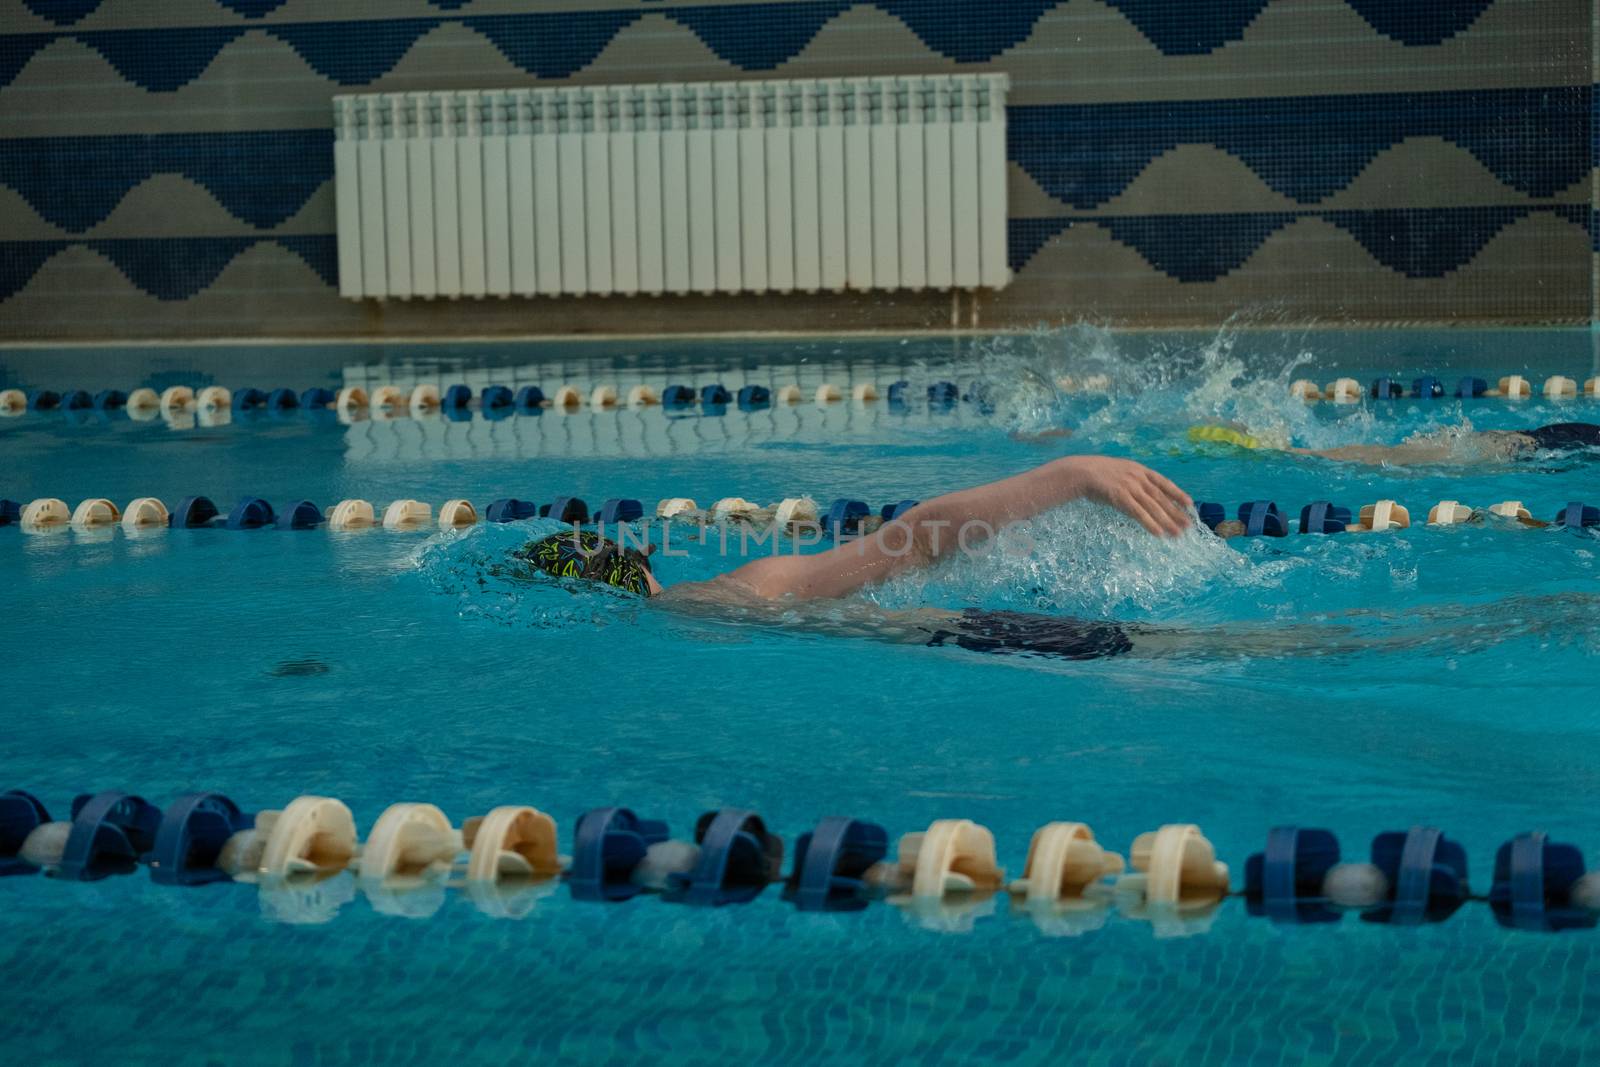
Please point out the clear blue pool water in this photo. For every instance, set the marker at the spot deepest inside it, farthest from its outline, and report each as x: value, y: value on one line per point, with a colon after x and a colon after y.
x: 1457, y: 690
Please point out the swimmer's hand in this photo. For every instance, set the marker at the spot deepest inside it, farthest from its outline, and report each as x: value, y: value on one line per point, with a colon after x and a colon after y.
x: 1133, y: 489
x: 1041, y: 435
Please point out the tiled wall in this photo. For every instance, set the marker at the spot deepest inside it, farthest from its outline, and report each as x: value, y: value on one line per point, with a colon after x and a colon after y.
x: 166, y: 167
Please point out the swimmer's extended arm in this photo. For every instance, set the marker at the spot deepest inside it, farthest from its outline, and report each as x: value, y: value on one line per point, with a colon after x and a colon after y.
x: 930, y: 530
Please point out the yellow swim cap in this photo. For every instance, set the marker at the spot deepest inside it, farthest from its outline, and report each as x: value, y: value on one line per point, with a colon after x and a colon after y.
x: 1223, y: 435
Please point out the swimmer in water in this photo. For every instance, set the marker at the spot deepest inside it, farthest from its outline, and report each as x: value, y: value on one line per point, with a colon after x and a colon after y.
x: 1467, y: 447
x: 769, y: 588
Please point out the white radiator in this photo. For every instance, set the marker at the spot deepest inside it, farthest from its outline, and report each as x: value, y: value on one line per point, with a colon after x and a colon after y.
x: 728, y: 187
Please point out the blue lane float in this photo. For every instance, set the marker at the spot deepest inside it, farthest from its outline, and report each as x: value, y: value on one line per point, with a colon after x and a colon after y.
x: 831, y: 862
x: 677, y: 396
x: 528, y: 398
x: 190, y: 837
x: 282, y: 400
x: 510, y: 509
x: 76, y: 400
x: 20, y: 814
x: 1427, y: 387
x: 191, y: 512
x: 1284, y: 882
x: 897, y: 395
x: 44, y: 400
x: 738, y: 859
x: 1261, y: 518
x: 1468, y: 388
x: 496, y: 397
x: 569, y: 509
x: 110, y: 832
x: 891, y: 512
x: 1386, y: 389
x: 249, y: 399
x: 10, y: 512
x: 608, y: 846
x: 1533, y: 881
x: 1578, y: 516
x: 110, y: 400
x: 301, y: 515
x: 619, y: 510
x: 251, y: 513
x: 1427, y: 874
x: 1211, y: 513
x: 1323, y: 517
x: 456, y: 398
x: 317, y: 398
x: 754, y: 397
x: 943, y: 395
x: 844, y: 517
x: 714, y: 394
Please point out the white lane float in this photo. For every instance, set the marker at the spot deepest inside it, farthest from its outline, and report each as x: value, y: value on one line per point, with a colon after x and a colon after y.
x: 1449, y: 513
x: 1513, y: 387
x: 675, y: 506
x: 1557, y: 387
x: 828, y: 393
x: 425, y: 400
x: 1305, y: 389
x: 1064, y: 863
x: 642, y: 396
x: 1064, y: 885
x: 143, y: 513
x: 1381, y: 516
x: 143, y: 404
x: 1511, y: 509
x: 387, y: 398
x: 407, y: 515
x: 1344, y: 391
x: 787, y: 394
x: 349, y: 400
x: 414, y: 841
x: 566, y: 398
x: 312, y: 836
x: 947, y: 875
x: 457, y: 513
x: 177, y: 398
x: 44, y: 514
x: 795, y: 510
x: 511, y: 842
x: 13, y: 402
x: 602, y: 397
x: 1177, y: 882
x: 734, y: 509
x: 352, y: 515
x: 213, y: 398
x: 95, y: 512
x: 864, y: 393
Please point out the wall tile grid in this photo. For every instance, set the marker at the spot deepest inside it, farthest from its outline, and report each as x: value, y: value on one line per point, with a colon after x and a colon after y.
x: 166, y: 170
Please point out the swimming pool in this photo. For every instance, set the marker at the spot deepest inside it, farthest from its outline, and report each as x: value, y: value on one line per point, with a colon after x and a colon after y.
x: 1453, y: 688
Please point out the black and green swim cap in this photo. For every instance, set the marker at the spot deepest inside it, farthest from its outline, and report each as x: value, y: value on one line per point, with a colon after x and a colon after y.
x: 585, y: 554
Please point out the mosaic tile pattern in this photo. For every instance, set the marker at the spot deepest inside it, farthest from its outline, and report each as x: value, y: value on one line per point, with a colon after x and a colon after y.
x: 1203, y: 139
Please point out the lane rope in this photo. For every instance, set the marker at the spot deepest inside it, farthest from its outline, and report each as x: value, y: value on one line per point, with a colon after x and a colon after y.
x: 942, y: 876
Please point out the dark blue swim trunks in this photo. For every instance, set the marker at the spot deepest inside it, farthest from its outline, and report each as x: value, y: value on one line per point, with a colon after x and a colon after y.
x: 1565, y: 436
x: 1012, y: 632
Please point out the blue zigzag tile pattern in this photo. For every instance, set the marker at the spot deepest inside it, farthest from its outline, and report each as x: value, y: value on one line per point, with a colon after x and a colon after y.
x: 1306, y: 147
x: 260, y: 177
x: 1537, y: 141
x: 168, y: 268
x: 753, y: 36
x: 1415, y: 242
